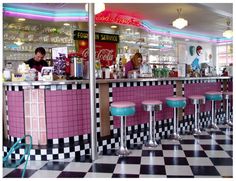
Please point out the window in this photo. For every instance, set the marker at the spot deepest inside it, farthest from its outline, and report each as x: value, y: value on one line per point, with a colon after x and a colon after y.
x: 224, y: 56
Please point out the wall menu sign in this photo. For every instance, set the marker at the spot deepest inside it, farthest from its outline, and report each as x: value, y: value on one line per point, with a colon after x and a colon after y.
x: 83, y: 35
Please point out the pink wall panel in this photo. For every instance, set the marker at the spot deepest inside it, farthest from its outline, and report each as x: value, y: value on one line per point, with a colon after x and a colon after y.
x: 139, y: 94
x: 15, y: 113
x: 68, y: 113
x: 200, y: 89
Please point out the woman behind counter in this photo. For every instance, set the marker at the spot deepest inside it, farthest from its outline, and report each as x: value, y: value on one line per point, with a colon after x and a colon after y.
x: 134, y: 64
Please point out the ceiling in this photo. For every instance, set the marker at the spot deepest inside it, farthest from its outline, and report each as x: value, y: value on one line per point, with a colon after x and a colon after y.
x: 207, y: 19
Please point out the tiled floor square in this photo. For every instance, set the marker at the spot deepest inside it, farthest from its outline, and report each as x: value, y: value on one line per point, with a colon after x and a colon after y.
x: 191, y: 147
x: 107, y: 159
x: 195, y: 153
x: 53, y: 165
x: 6, y: 171
x: 152, y: 153
x: 217, y: 154
x: 178, y: 170
x: 33, y: 165
x: 129, y: 160
x: 188, y: 141
x: 227, y: 147
x: 46, y: 174
x: 152, y: 169
x: 169, y: 142
x: 152, y: 161
x: 230, y: 153
x: 127, y: 169
x: 125, y: 176
x: 98, y: 175
x: 171, y: 147
x: 78, y: 167
x: 203, y: 137
x: 207, y: 142
x: 211, y: 147
x: 173, y: 153
x: 205, y: 170
x: 65, y: 174
x: 225, y: 142
x: 135, y: 153
x: 16, y: 173
x: 175, y: 161
x: 104, y: 168
x: 199, y: 161
x: 222, y: 161
x: 225, y: 171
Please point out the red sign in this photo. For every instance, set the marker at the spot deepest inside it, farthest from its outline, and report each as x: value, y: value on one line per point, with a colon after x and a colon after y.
x: 110, y: 17
x: 105, y: 52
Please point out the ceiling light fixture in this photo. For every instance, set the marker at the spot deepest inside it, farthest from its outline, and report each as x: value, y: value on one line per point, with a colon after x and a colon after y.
x: 21, y: 19
x: 179, y: 22
x: 66, y: 24
x: 98, y: 7
x: 113, y: 26
x: 228, y: 33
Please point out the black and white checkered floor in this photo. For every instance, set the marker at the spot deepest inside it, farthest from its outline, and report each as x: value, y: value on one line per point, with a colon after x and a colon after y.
x: 208, y: 155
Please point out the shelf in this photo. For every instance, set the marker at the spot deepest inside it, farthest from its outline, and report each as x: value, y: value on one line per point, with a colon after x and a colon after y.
x: 163, y: 63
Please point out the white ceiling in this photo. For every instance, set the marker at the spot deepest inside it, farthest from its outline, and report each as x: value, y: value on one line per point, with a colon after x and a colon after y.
x: 207, y: 19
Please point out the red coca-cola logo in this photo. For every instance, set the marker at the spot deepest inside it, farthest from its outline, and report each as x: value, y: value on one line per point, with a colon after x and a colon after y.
x: 105, y: 52
x: 102, y: 54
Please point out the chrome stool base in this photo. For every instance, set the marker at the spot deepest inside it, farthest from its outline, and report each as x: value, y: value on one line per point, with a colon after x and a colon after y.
x: 123, y: 152
x: 196, y: 132
x: 152, y: 143
x: 229, y: 123
x: 175, y: 136
x: 213, y: 126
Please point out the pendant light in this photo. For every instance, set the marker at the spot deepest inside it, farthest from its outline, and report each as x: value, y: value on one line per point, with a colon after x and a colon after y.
x: 228, y: 33
x: 179, y: 22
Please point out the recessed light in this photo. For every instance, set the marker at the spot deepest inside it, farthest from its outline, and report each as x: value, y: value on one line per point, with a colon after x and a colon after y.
x: 95, y: 24
x: 113, y: 26
x: 128, y: 29
x: 21, y: 19
x: 66, y: 24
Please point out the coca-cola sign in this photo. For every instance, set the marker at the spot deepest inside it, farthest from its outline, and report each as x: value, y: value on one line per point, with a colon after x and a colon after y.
x: 105, y: 52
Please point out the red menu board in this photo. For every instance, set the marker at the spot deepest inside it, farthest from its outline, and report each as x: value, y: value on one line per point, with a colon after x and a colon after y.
x: 105, y: 46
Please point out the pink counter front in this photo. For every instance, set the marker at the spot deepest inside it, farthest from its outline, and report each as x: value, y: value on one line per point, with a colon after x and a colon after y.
x: 57, y: 114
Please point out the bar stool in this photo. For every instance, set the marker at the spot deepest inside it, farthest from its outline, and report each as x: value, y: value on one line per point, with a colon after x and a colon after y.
x: 213, y: 96
x: 176, y: 102
x: 227, y: 96
x: 152, y: 106
x: 197, y: 100
x: 123, y: 109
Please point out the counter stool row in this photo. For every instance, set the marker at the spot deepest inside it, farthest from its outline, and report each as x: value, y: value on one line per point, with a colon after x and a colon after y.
x: 126, y: 108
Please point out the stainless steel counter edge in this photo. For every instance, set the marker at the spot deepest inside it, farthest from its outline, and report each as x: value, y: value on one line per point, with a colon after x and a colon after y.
x: 102, y: 81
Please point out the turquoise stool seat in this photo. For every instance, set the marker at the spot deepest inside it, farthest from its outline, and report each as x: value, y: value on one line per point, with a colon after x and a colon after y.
x: 214, y: 96
x: 176, y: 102
x: 123, y: 109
